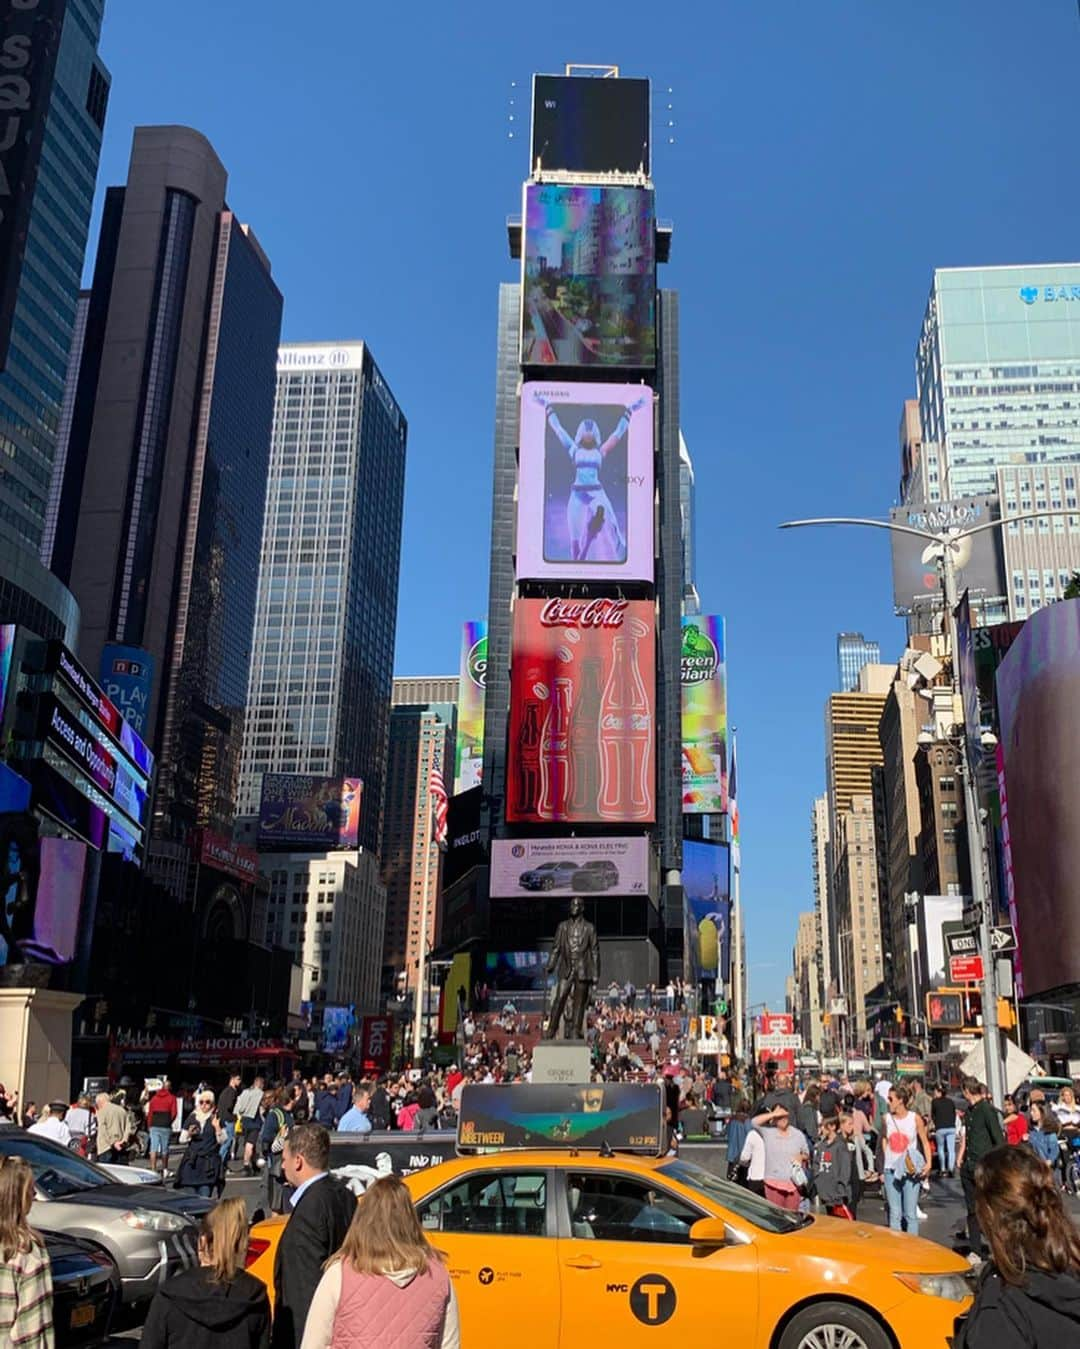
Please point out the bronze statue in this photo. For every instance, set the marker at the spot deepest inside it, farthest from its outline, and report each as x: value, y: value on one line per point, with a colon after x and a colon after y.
x: 575, y: 960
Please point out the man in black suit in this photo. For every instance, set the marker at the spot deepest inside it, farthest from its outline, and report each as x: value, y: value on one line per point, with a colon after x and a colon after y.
x: 322, y: 1208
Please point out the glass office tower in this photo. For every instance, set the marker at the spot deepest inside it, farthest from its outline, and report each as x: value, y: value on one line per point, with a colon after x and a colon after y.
x: 326, y: 615
x: 853, y: 651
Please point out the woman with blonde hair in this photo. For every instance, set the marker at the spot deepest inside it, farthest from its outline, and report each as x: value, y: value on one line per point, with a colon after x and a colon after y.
x: 25, y: 1274
x: 387, y: 1284
x: 216, y: 1304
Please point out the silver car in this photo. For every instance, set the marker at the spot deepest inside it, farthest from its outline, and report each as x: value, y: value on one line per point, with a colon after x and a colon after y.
x: 149, y: 1232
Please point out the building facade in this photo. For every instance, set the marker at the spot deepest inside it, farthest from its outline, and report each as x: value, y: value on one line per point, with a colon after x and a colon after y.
x: 326, y: 614
x: 806, y: 965
x: 422, y: 727
x: 819, y: 865
x: 853, y: 651
x: 858, y: 921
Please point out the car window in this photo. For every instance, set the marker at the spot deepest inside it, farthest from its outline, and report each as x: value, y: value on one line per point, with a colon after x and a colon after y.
x: 506, y: 1203
x: 57, y: 1172
x: 743, y: 1203
x: 618, y: 1208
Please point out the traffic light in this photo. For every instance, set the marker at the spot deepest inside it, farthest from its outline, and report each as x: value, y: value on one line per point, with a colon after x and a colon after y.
x: 826, y: 1020
x: 899, y: 1015
x: 1006, y: 1019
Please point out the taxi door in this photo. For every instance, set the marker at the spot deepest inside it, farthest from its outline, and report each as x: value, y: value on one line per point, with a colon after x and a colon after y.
x: 497, y: 1228
x: 626, y: 1264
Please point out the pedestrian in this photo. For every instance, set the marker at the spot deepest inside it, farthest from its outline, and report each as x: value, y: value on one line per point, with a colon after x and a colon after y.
x: 906, y: 1160
x: 752, y: 1162
x: 386, y: 1274
x: 356, y: 1120
x: 275, y: 1131
x: 379, y: 1106
x: 1068, y: 1117
x: 248, y: 1104
x: 216, y: 1304
x: 25, y: 1274
x: 737, y: 1129
x: 920, y: 1101
x: 854, y: 1135
x: 982, y: 1133
x: 321, y: 1209
x: 227, y: 1114
x: 161, y: 1111
x: 807, y: 1116
x: 200, y: 1167
x: 112, y: 1130
x: 80, y: 1121
x: 787, y: 1154
x: 1044, y: 1133
x: 326, y: 1103
x: 943, y: 1118
x: 1014, y: 1124
x: 52, y: 1124
x: 1028, y: 1296
x: 834, y: 1168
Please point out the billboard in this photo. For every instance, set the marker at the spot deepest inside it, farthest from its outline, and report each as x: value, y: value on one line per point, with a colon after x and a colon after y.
x: 583, y: 125
x: 7, y: 651
x: 936, y: 914
x: 472, y: 677
x: 570, y: 866
x: 509, y: 971
x: 337, y: 1021
x: 706, y: 880
x: 582, y: 711
x: 968, y: 683
x: 704, y: 716
x: 979, y: 567
x: 624, y: 1115
x: 60, y: 661
x: 589, y: 277
x: 585, y: 482
x: 127, y: 676
x: 464, y: 836
x: 1038, y: 695
x: 376, y: 1043
x: 299, y: 810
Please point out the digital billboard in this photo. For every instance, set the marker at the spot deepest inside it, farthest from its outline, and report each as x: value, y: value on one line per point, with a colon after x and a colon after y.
x: 464, y: 836
x: 585, y: 482
x: 337, y: 1022
x: 582, y: 711
x: 584, y: 125
x: 7, y: 651
x: 1038, y: 695
x: 704, y: 716
x: 571, y: 866
x: 298, y: 810
x: 518, y: 971
x: 127, y: 676
x: 59, y: 660
x: 706, y: 878
x: 979, y: 566
x: 472, y: 677
x: 589, y: 277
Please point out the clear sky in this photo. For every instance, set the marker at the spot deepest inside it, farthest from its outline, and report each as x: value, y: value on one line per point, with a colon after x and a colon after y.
x: 827, y: 157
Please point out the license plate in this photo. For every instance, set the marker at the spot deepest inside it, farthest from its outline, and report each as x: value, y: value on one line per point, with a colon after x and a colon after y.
x: 83, y: 1316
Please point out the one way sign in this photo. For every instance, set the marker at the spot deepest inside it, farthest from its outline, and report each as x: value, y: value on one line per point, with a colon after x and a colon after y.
x: 966, y: 943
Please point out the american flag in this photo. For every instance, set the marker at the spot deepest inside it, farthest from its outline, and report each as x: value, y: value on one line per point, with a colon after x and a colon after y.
x: 440, y: 804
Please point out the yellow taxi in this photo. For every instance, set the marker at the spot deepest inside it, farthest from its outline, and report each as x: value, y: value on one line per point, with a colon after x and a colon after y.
x: 563, y: 1247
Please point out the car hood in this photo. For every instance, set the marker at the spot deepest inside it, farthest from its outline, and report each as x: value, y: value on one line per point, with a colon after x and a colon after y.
x: 138, y: 1196
x: 838, y: 1239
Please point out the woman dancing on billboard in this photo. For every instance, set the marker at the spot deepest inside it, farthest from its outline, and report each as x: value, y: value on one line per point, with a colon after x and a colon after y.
x: 594, y: 529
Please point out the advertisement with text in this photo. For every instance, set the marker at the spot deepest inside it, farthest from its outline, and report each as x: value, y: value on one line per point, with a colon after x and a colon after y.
x: 301, y: 811
x: 582, y: 711
x: 707, y: 890
x: 585, y: 484
x: 472, y: 677
x: 574, y: 866
x: 704, y: 716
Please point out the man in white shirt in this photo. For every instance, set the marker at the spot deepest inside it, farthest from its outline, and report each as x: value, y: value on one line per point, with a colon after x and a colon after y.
x: 51, y: 1125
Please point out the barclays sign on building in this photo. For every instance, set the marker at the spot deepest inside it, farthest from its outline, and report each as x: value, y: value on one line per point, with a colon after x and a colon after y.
x: 1031, y: 294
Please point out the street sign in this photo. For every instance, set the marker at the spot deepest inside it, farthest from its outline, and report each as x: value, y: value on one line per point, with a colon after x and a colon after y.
x: 965, y: 969
x: 963, y: 943
x: 1002, y: 939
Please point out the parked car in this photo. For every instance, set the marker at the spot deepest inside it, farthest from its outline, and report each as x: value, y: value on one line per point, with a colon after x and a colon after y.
x: 148, y: 1231
x: 601, y: 874
x: 131, y: 1175
x: 549, y: 876
x: 86, y: 1291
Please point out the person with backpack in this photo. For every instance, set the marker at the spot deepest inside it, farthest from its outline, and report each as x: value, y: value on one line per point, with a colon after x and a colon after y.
x: 275, y: 1129
x: 983, y: 1133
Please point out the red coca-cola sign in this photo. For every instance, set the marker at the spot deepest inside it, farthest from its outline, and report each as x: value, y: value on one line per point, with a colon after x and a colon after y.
x: 583, y: 712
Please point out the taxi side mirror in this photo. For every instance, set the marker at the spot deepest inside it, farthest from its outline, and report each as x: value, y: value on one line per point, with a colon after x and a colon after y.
x: 709, y: 1232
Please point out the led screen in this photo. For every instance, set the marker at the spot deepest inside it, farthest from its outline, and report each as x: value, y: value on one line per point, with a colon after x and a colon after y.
x: 978, y: 561
x: 589, y: 260
x: 584, y: 125
x: 298, y: 810
x: 585, y: 482
x: 707, y: 891
x: 704, y: 716
x: 582, y: 711
x: 569, y: 866
x: 472, y: 676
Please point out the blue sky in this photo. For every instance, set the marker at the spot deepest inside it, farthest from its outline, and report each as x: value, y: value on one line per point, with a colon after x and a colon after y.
x: 826, y: 158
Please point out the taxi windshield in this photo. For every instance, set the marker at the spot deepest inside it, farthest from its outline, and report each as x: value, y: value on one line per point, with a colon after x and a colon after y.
x: 742, y: 1203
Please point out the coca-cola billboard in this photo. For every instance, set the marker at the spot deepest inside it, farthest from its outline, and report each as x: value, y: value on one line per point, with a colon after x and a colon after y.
x: 582, y: 711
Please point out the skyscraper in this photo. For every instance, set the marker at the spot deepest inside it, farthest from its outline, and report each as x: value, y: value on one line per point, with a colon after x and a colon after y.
x: 323, y: 646
x: 166, y: 461
x: 422, y: 724
x: 54, y: 119
x: 819, y: 858
x: 997, y: 370
x: 853, y: 651
x: 691, y: 599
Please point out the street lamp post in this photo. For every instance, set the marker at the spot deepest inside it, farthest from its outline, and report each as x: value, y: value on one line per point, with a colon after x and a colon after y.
x: 944, y: 544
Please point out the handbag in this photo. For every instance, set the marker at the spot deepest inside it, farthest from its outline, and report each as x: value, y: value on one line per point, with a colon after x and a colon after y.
x: 278, y: 1145
x: 799, y: 1177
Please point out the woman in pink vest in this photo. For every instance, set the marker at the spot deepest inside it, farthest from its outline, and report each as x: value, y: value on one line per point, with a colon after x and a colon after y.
x: 387, y: 1287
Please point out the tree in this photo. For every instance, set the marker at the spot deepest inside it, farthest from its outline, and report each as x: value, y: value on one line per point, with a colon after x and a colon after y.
x: 1072, y: 590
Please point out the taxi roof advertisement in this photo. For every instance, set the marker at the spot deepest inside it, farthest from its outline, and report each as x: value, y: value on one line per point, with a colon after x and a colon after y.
x: 624, y: 1115
x: 585, y: 495
x: 569, y: 866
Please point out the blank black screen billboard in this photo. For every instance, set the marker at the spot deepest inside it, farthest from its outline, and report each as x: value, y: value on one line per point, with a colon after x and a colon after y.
x: 590, y: 125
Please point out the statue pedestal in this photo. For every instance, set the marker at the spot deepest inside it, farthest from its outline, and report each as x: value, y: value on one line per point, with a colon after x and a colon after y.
x: 562, y: 1062
x: 35, y: 1043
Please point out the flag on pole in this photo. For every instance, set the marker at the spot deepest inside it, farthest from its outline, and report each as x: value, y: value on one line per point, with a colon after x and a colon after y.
x: 733, y: 809
x: 440, y: 806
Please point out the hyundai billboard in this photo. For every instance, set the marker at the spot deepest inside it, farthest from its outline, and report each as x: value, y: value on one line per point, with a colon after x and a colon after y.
x: 582, y: 711
x: 569, y: 866
x: 589, y: 269
x: 585, y: 482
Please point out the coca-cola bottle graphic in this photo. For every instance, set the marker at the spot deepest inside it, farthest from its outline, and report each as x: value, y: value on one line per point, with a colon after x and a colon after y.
x: 625, y: 738
x: 528, y: 760
x: 555, y: 754
x: 584, y: 760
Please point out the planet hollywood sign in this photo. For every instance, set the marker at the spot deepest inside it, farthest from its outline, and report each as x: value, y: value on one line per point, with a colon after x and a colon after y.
x: 602, y: 613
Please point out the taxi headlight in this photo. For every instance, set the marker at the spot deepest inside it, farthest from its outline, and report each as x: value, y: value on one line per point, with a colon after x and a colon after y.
x: 952, y: 1287
x: 154, y: 1220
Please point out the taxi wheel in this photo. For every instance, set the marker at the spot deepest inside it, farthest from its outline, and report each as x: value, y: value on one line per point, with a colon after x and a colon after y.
x: 833, y: 1325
